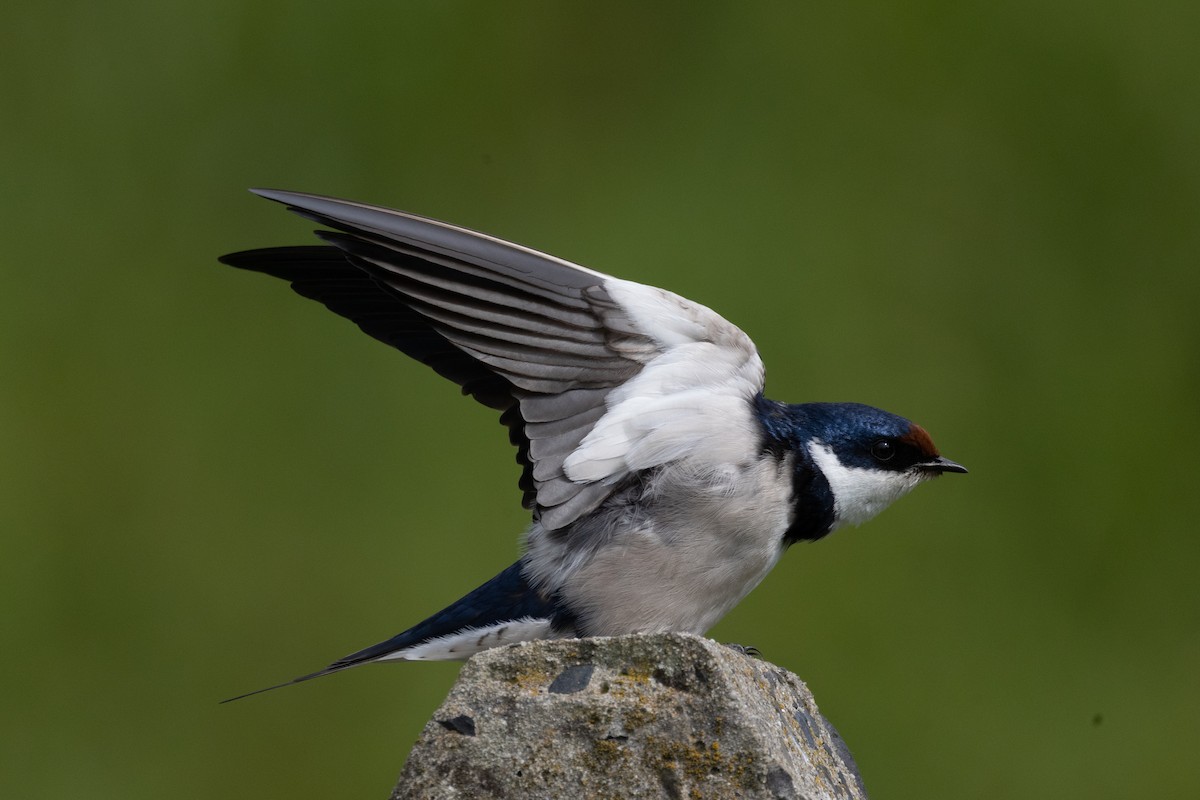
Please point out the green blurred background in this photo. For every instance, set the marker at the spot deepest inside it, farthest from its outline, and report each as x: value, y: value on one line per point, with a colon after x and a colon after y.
x: 981, y: 216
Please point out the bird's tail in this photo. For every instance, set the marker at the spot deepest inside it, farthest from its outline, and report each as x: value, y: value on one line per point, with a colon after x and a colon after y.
x: 505, y: 609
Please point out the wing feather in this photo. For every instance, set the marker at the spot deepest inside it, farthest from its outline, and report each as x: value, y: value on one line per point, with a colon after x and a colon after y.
x: 596, y: 378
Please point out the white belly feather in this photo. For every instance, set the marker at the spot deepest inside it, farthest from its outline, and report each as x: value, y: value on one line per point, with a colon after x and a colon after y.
x: 706, y: 541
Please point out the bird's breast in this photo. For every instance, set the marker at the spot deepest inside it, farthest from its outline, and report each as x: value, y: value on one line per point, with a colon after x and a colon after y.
x: 701, y: 541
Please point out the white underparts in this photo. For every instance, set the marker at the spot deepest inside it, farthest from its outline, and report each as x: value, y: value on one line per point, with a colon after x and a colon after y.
x: 469, y: 641
x: 703, y: 536
x: 859, y: 493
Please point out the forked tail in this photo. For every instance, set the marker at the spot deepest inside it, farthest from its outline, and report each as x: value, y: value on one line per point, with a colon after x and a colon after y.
x: 502, y: 611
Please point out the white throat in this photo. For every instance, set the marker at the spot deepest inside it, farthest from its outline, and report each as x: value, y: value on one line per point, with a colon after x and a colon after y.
x: 858, y: 493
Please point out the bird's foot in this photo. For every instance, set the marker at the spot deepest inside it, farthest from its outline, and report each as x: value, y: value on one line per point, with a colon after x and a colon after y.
x: 746, y: 650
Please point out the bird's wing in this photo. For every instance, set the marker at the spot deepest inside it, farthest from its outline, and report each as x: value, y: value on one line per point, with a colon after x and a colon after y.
x: 597, y: 378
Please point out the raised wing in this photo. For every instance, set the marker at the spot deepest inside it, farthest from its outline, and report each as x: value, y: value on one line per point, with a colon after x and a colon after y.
x: 596, y: 377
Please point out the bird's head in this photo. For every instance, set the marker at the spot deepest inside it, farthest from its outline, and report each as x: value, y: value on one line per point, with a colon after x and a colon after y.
x: 868, y: 457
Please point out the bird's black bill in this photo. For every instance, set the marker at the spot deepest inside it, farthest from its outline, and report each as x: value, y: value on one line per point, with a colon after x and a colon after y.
x: 941, y: 464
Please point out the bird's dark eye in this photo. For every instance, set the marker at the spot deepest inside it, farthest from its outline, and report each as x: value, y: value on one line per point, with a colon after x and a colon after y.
x: 883, y: 450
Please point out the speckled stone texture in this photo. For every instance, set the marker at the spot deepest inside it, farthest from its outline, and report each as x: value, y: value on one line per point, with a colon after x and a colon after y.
x: 659, y: 716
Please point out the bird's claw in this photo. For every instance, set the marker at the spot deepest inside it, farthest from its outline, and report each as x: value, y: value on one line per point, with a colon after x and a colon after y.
x: 746, y: 650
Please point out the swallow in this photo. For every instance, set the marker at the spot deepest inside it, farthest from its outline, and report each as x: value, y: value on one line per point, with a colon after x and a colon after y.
x: 663, y: 485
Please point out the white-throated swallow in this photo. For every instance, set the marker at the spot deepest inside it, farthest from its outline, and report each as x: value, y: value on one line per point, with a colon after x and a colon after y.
x: 663, y: 485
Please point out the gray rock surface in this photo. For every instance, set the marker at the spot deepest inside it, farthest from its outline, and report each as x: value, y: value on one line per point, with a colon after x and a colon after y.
x: 657, y: 716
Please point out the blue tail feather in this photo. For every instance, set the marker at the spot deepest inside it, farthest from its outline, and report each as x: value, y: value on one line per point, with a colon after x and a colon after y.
x: 505, y: 597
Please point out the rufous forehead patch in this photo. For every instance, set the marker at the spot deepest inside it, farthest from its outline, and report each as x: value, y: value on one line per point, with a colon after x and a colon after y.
x: 918, y: 437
